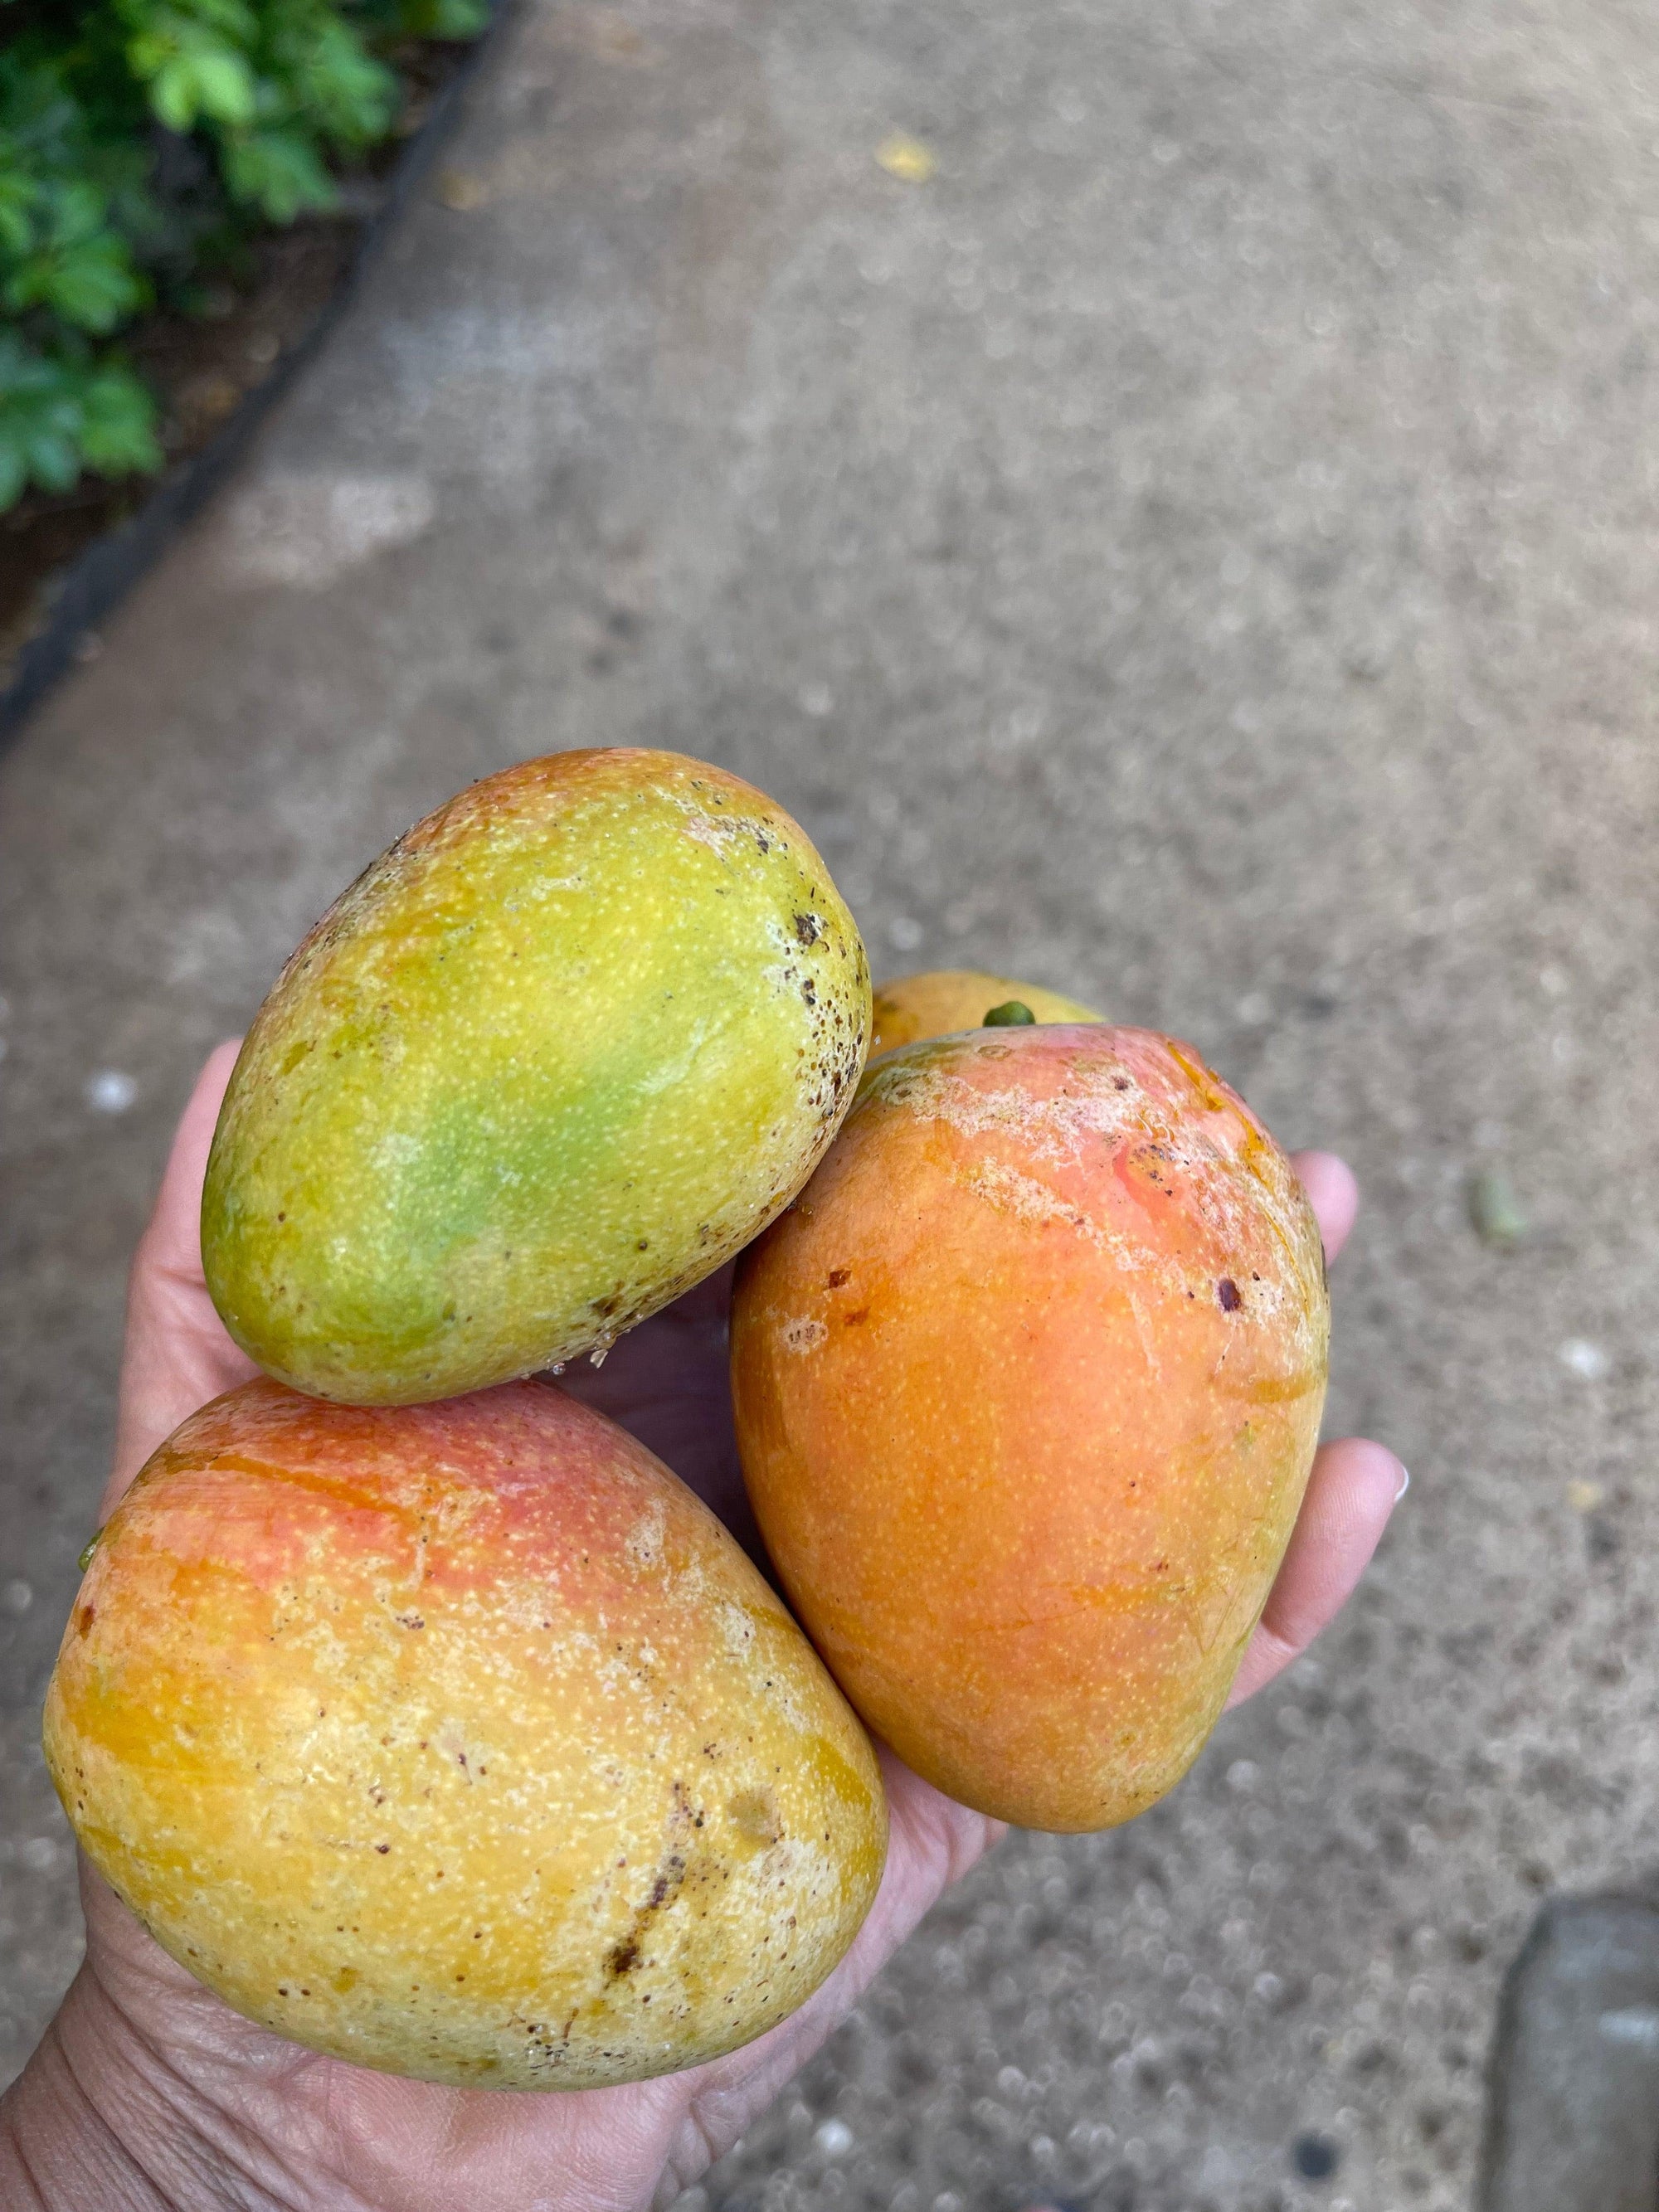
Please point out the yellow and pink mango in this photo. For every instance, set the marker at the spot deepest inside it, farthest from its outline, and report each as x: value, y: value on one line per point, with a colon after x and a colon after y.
x: 459, y: 1741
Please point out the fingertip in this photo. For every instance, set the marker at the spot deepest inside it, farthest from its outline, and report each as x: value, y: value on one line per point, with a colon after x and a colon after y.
x: 1368, y: 1475
x: 208, y: 1095
x: 214, y: 1077
x: 1334, y: 1193
x: 1355, y: 1486
x: 174, y: 1223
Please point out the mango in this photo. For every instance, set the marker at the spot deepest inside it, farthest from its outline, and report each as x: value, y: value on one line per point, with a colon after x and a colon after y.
x: 1028, y: 1382
x: 913, y: 1008
x: 559, y: 1052
x: 460, y: 1742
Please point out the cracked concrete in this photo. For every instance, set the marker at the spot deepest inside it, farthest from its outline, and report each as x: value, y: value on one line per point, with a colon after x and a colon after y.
x: 1198, y: 551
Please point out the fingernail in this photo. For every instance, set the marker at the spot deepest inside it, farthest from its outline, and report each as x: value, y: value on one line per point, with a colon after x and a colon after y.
x: 1405, y: 1485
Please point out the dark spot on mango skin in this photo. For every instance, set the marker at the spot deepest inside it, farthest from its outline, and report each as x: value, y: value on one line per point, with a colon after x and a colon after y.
x: 808, y: 929
x: 754, y: 1815
x: 836, y: 1277
x: 84, y: 1619
x: 1227, y: 1295
x: 624, y: 1956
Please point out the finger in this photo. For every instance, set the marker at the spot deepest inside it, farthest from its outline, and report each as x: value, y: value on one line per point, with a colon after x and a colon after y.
x: 171, y: 1243
x: 178, y: 1354
x: 1332, y: 1193
x: 1354, y: 1488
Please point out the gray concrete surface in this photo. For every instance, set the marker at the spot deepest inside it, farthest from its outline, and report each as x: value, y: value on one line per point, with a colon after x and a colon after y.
x: 1574, y: 2124
x: 1199, y: 550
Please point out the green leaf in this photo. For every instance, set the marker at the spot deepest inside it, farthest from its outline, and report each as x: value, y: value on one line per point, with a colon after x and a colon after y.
x: 17, y: 199
x: 444, y: 19
x: 118, y: 434
x: 60, y: 416
x: 174, y: 24
x: 78, y: 210
x: 224, y: 85
x: 93, y: 285
x: 203, y: 78
x: 32, y: 383
x: 279, y: 172
x: 353, y: 97
x: 52, y: 459
x: 172, y: 93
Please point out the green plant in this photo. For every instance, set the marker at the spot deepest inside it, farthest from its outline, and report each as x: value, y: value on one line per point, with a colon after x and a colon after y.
x: 138, y: 139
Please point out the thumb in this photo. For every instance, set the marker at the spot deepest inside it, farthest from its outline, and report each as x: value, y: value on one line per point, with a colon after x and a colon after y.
x: 177, y: 1354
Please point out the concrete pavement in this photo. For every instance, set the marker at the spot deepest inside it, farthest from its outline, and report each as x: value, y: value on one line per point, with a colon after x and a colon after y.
x: 1199, y: 549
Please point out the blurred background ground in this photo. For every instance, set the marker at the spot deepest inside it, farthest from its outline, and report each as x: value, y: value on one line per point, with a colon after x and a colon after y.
x: 1198, y: 549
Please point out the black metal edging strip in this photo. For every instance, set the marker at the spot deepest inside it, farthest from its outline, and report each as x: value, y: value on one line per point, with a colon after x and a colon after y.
x: 99, y: 579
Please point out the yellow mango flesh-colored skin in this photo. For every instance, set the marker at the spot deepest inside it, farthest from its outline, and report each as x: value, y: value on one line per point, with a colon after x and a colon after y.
x: 460, y: 1742
x: 912, y: 1009
x: 556, y: 1055
x: 1028, y: 1386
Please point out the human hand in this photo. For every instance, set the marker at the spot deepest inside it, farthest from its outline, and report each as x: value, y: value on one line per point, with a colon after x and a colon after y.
x: 150, y: 2092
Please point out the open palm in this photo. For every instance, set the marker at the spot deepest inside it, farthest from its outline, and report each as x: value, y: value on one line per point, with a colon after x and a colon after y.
x: 196, y: 2105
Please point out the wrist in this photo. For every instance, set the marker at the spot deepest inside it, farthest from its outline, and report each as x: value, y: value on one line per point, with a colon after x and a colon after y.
x: 84, y: 2125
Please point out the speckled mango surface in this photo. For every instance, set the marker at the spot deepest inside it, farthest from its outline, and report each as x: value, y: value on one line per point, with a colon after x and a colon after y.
x: 555, y: 1056
x: 459, y: 1741
x: 1027, y: 1384
x: 911, y: 1009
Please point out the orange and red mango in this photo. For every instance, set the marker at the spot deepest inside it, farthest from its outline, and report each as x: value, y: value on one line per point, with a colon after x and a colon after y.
x: 911, y: 1009
x: 459, y: 1741
x: 1028, y: 1385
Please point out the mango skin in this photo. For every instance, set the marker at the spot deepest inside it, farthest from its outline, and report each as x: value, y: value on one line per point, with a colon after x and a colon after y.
x: 911, y: 1009
x: 1028, y: 1385
x: 552, y: 1059
x: 461, y: 1741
